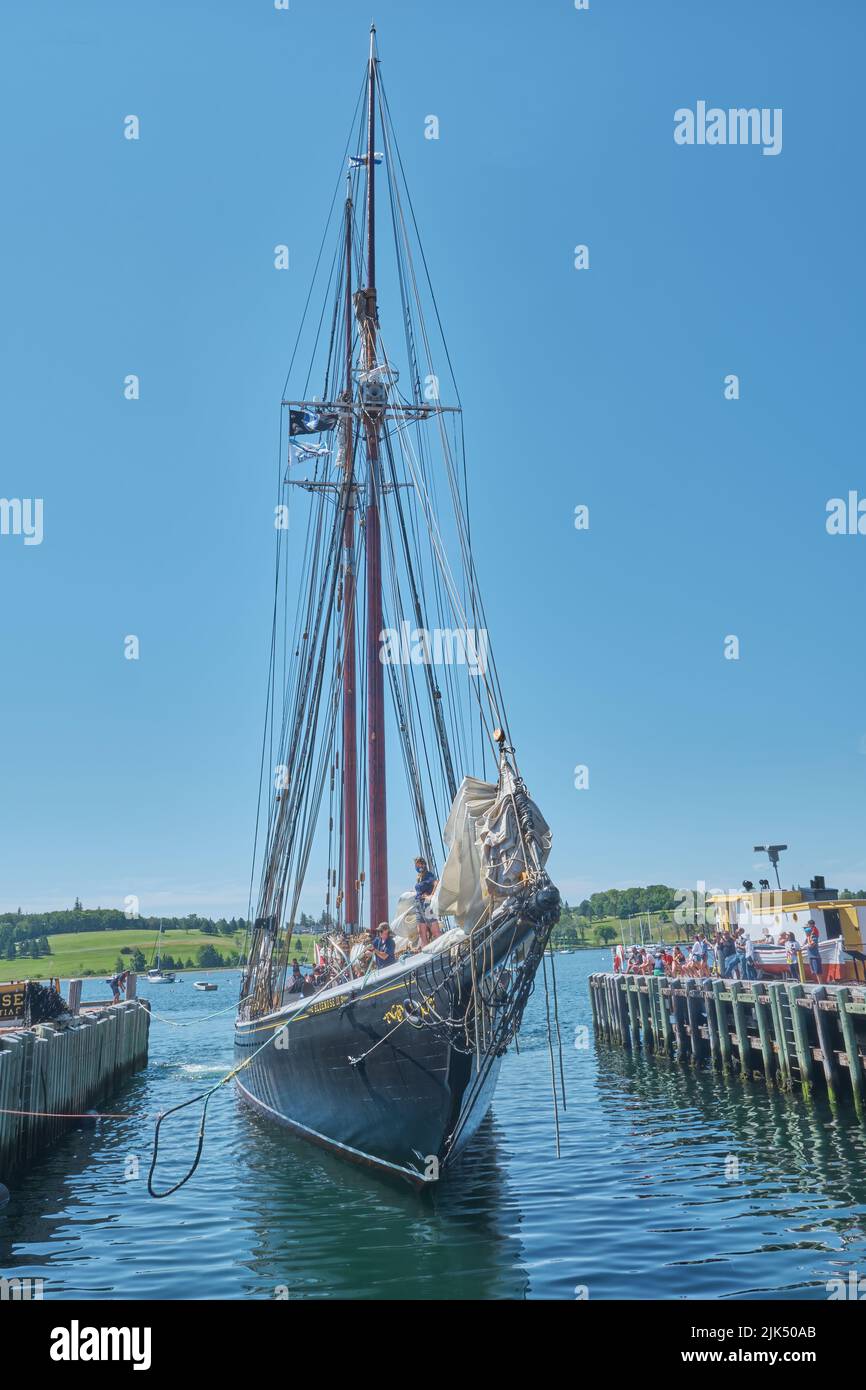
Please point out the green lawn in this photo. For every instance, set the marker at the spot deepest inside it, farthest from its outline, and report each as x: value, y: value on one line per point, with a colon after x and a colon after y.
x: 74, y: 953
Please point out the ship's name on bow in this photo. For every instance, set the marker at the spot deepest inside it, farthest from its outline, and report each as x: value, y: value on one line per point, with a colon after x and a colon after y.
x: 323, y: 1005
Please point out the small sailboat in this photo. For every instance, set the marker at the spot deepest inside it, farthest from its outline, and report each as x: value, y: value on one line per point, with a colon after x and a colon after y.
x: 156, y: 975
x: 389, y: 1052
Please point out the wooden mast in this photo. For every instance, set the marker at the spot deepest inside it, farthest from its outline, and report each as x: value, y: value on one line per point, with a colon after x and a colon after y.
x: 377, y: 800
x: 350, y: 738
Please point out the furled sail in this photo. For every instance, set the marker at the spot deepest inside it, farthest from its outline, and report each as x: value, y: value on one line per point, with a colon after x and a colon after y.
x: 488, y: 854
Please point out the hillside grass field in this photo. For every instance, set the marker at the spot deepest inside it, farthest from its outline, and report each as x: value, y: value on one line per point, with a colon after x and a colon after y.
x: 75, y: 953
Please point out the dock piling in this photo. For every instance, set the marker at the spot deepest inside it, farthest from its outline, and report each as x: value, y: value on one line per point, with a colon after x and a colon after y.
x: 852, y: 1049
x: 724, y: 1027
x: 727, y: 1023
x: 52, y: 1073
x: 825, y: 1041
x: 802, y: 1047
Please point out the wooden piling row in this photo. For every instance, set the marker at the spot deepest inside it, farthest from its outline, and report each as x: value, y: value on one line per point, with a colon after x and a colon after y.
x: 784, y: 1033
x: 53, y: 1073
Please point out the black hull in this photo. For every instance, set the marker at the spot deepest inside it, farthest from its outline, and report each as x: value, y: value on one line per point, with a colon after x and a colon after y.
x: 417, y: 1176
x: 397, y: 1074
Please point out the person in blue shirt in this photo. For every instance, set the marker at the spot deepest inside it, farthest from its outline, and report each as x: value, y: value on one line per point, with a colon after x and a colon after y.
x: 384, y: 952
x: 813, y: 951
x: 425, y: 883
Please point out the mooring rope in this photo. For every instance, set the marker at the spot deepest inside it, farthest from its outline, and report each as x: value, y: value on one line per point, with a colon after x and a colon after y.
x: 355, y: 1061
x: 558, y: 1033
x: 550, y: 1051
x: 202, y: 1018
x: 206, y: 1097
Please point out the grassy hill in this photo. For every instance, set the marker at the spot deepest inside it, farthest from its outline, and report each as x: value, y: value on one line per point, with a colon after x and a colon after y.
x: 96, y: 953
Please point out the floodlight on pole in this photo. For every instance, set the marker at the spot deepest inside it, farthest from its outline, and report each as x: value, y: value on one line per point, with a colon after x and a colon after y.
x: 772, y: 852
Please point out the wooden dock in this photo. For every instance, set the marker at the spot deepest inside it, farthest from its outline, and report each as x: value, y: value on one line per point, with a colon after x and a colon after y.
x: 781, y: 1032
x: 52, y: 1074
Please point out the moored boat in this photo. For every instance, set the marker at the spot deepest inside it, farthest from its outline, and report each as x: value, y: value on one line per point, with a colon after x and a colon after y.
x: 156, y: 975
x: 766, y: 914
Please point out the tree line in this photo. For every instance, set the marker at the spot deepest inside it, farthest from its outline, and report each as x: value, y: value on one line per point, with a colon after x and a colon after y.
x: 625, y: 902
x: 583, y: 924
x: 25, y: 926
x: 24, y: 935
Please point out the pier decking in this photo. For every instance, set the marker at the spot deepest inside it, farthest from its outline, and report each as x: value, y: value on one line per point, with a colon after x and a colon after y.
x: 52, y: 1074
x: 781, y: 1032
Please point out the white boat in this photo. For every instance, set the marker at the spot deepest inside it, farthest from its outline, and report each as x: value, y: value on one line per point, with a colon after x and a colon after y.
x: 204, y: 984
x: 156, y: 975
x: 765, y: 914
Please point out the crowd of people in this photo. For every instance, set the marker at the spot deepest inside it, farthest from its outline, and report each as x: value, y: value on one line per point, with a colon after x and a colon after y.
x: 381, y: 948
x: 729, y: 954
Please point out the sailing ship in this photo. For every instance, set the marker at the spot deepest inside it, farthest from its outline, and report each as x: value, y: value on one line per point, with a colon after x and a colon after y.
x: 388, y: 1054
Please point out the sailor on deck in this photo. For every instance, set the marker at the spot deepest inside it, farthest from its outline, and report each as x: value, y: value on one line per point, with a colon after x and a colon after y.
x: 425, y: 883
x: 384, y: 951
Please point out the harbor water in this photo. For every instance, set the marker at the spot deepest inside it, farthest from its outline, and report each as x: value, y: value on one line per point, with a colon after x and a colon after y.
x: 672, y: 1183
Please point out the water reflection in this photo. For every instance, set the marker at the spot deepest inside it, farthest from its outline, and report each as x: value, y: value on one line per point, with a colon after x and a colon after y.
x: 324, y: 1227
x: 765, y: 1171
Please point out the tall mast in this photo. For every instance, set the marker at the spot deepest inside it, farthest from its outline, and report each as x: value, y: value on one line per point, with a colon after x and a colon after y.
x: 350, y: 739
x: 377, y: 808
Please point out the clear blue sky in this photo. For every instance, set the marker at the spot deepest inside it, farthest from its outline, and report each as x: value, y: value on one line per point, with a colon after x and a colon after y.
x: 602, y: 387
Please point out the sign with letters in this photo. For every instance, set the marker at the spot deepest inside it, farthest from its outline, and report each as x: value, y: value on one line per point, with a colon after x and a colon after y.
x: 12, y: 1002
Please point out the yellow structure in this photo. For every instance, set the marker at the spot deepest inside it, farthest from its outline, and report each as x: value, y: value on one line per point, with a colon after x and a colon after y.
x: 765, y: 915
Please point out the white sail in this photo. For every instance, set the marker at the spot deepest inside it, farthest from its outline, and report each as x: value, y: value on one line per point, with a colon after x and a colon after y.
x: 487, y: 856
